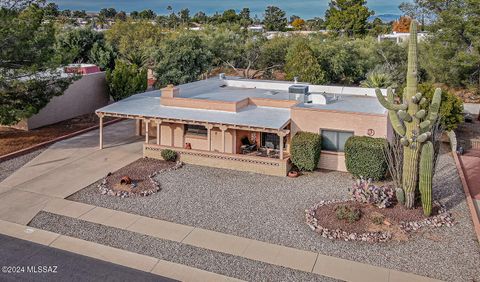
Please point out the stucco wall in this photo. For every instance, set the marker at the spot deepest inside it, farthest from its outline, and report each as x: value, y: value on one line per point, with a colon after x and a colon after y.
x: 312, y: 120
x: 84, y: 96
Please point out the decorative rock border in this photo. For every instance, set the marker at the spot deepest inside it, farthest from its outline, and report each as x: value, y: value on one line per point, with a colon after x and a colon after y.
x: 443, y: 218
x: 104, y: 190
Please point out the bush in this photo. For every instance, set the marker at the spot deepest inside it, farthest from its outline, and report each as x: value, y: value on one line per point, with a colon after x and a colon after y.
x: 126, y: 80
x: 364, y: 157
x: 347, y: 213
x: 305, y: 150
x: 364, y: 191
x: 377, y: 218
x: 169, y: 155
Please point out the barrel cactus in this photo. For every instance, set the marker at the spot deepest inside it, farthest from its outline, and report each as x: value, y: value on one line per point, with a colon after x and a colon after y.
x: 414, y: 125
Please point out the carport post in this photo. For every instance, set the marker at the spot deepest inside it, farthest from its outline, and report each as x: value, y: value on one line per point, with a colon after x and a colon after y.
x: 100, y: 116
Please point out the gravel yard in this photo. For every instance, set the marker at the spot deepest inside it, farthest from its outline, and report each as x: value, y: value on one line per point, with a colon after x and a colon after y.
x: 10, y: 166
x: 212, y: 261
x: 271, y: 209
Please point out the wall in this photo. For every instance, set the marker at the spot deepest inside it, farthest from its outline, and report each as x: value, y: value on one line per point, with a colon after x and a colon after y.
x: 197, y: 142
x: 312, y: 120
x: 223, y: 160
x: 84, y: 96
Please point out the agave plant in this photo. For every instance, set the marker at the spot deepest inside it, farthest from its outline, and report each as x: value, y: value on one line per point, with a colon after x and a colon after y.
x: 379, y: 77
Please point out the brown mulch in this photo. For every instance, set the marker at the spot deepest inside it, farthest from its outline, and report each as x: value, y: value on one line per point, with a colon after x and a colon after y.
x: 138, y: 171
x: 327, y: 218
x: 12, y: 140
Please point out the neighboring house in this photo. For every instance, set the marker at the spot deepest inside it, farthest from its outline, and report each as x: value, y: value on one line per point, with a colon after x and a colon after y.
x: 247, y: 125
x: 400, y: 37
x: 83, y: 96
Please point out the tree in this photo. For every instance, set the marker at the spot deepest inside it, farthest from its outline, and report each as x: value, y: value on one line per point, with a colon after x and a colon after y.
x: 51, y: 10
x: 402, y: 25
x: 315, y: 24
x: 301, y: 62
x: 126, y: 80
x: 184, y: 16
x: 244, y: 16
x: 147, y: 15
x: 28, y: 76
x: 66, y: 13
x: 79, y: 14
x: 135, y: 41
x: 298, y: 24
x: 275, y: 19
x: 102, y: 55
x: 134, y: 15
x: 107, y: 13
x: 229, y: 16
x: 200, y: 17
x: 451, y: 53
x: 348, y: 16
x: 74, y: 46
x: 181, y: 60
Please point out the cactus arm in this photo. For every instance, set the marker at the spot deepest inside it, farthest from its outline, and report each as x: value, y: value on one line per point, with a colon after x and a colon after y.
x: 404, y: 116
x: 421, y: 114
x: 397, y: 124
x: 426, y: 175
x: 424, y: 136
x: 389, y: 102
x: 435, y: 105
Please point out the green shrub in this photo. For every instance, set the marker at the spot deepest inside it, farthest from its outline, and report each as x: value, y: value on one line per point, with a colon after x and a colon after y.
x: 364, y: 157
x: 169, y: 155
x: 350, y: 214
x: 305, y: 150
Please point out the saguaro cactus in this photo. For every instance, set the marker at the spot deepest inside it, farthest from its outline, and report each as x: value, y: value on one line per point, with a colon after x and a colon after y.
x: 413, y: 124
x: 426, y: 175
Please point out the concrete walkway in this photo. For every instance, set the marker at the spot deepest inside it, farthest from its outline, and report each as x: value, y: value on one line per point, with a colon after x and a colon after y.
x: 234, y: 245
x: 65, y: 168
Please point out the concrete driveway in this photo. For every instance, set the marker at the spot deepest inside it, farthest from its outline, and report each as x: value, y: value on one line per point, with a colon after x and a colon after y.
x: 66, y: 167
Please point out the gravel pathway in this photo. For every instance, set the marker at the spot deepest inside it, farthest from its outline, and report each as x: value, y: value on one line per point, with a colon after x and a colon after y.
x: 212, y: 261
x: 10, y: 166
x: 271, y: 209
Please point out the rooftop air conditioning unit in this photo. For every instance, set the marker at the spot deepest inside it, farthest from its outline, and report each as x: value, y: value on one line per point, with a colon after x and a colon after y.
x: 299, y: 93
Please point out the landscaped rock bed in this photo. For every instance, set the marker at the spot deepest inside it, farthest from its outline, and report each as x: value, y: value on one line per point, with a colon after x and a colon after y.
x: 136, y: 179
x: 372, y: 224
x: 272, y: 209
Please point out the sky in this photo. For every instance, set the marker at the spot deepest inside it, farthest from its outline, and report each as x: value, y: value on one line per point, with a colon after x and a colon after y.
x: 302, y: 8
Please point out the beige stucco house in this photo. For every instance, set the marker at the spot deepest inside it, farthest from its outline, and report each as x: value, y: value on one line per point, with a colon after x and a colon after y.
x: 247, y: 124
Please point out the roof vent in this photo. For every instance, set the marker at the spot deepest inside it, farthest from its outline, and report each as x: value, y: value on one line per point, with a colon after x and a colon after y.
x: 298, y: 89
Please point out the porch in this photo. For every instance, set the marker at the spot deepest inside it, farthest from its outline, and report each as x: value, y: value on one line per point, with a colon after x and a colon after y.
x: 244, y: 148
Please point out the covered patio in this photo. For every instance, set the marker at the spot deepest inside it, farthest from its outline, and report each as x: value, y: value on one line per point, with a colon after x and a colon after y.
x: 256, y: 135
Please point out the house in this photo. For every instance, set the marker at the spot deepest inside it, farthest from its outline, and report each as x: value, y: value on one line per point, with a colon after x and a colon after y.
x: 400, y: 37
x: 82, y: 97
x: 248, y: 125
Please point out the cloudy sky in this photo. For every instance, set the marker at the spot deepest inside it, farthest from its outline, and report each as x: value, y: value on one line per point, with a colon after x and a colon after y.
x: 303, y: 8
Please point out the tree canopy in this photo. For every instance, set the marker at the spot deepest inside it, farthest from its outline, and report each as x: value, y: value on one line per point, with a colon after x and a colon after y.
x: 28, y: 75
x: 348, y: 16
x: 275, y: 19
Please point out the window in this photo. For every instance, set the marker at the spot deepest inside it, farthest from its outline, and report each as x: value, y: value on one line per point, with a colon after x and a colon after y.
x: 270, y: 140
x: 334, y: 140
x: 198, y: 130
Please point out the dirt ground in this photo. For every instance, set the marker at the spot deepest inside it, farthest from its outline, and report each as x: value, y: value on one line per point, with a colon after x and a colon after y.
x: 12, y: 140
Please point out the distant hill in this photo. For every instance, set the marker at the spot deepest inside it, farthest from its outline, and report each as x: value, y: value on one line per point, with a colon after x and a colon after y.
x: 385, y: 17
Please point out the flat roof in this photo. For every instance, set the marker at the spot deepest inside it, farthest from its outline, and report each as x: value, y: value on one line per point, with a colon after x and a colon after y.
x: 148, y: 105
x: 346, y: 99
x: 349, y: 103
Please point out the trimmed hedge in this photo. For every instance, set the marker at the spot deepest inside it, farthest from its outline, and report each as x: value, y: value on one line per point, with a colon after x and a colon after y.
x: 169, y: 155
x: 305, y: 150
x: 364, y: 157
